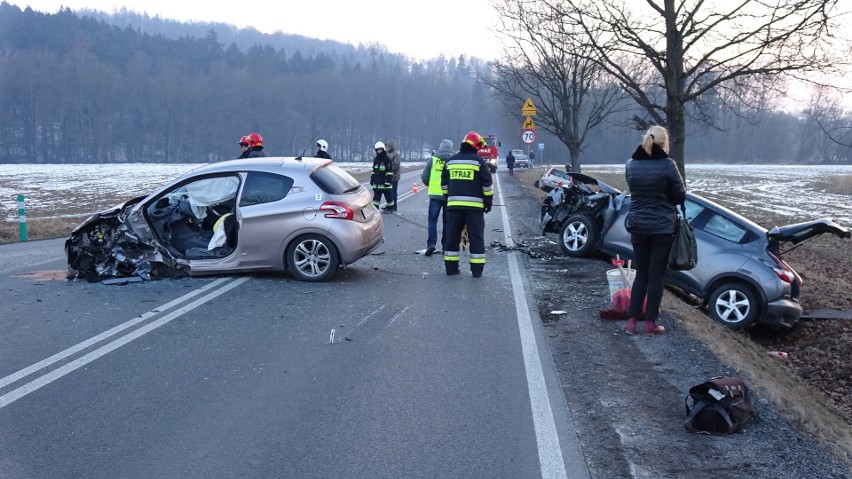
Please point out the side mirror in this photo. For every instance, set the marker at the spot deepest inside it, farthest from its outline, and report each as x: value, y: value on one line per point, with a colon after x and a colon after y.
x: 498, y: 143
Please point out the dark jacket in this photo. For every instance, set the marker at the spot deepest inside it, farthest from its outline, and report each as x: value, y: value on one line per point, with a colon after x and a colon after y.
x: 322, y: 154
x: 466, y: 181
x: 256, y: 152
x: 382, y: 176
x: 656, y: 188
x: 510, y: 161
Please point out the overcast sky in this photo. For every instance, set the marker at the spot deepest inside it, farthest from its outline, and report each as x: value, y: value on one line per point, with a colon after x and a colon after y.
x: 421, y: 29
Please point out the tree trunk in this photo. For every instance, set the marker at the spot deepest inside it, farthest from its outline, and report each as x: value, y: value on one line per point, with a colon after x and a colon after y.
x: 574, y: 151
x: 677, y: 132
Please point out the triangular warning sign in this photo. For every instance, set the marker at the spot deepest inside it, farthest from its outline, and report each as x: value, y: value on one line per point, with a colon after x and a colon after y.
x: 528, y: 109
x: 528, y: 124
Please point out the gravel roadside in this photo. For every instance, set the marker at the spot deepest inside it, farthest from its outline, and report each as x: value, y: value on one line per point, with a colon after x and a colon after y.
x: 626, y: 393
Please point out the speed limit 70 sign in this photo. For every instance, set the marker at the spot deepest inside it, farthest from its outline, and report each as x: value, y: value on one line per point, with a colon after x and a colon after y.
x: 528, y: 136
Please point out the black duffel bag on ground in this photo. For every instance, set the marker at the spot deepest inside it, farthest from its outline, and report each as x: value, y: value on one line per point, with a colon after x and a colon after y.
x: 720, y: 406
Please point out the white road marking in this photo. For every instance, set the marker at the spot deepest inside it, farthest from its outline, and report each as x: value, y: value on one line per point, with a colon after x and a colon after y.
x: 55, y: 374
x: 397, y: 316
x: 549, y: 451
x: 106, y: 334
x: 369, y: 316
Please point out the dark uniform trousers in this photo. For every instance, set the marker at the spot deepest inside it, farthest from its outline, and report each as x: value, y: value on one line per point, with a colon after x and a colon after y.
x: 457, y: 219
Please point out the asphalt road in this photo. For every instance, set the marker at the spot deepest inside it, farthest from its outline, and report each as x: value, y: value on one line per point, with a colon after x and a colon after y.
x: 393, y: 369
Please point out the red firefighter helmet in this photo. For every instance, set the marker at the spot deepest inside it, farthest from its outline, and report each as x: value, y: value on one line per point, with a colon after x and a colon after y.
x: 475, y: 140
x: 254, y: 140
x: 244, y: 141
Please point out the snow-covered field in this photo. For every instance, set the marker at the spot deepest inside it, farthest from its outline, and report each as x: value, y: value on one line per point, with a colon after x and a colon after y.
x: 76, y: 190
x: 795, y: 192
x: 53, y: 191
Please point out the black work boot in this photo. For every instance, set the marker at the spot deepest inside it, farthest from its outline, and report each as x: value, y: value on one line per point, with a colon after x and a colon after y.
x: 476, y: 270
x: 452, y: 267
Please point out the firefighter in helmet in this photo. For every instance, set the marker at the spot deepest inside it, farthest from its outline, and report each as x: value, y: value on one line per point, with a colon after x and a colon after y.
x: 244, y: 146
x: 466, y: 184
x: 382, y: 178
x: 322, y: 149
x: 255, y: 146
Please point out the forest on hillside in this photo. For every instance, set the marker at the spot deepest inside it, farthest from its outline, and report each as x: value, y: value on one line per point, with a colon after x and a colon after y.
x: 88, y: 87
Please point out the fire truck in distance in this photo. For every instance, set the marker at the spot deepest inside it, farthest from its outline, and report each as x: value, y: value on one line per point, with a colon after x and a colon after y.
x: 489, y: 153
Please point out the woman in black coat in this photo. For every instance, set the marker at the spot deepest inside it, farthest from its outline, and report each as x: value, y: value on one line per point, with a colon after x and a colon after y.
x: 656, y: 188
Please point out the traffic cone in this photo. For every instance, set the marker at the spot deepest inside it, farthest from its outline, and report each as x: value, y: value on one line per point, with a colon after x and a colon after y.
x: 414, y: 188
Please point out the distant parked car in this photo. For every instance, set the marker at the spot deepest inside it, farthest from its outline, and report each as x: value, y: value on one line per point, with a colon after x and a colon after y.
x: 265, y: 214
x: 740, y: 274
x: 552, y: 178
x: 521, y: 160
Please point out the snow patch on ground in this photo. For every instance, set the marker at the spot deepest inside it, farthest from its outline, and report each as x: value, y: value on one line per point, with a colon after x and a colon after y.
x: 54, y: 191
x: 68, y: 190
x: 791, y: 191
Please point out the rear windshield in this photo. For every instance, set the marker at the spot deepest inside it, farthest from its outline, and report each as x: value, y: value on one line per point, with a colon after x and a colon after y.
x: 334, y: 180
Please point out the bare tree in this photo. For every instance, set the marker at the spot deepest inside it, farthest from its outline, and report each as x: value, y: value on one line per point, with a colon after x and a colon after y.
x: 826, y: 128
x: 740, y: 51
x: 543, y: 61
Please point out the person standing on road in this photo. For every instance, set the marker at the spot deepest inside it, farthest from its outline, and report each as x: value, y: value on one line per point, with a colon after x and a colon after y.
x: 381, y: 179
x: 531, y: 159
x: 510, y: 163
x: 466, y: 184
x: 322, y: 149
x: 244, y: 145
x: 656, y: 188
x: 255, y: 146
x: 431, y: 177
x: 396, y: 160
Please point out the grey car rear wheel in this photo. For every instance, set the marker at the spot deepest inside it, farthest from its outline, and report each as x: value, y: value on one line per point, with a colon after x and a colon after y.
x: 312, y: 258
x: 734, y: 305
x: 578, y: 236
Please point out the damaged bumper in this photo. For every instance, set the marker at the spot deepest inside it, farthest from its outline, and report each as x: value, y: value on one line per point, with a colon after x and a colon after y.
x: 106, y: 246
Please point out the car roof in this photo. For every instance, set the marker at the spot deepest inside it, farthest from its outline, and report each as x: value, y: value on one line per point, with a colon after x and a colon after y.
x: 274, y: 164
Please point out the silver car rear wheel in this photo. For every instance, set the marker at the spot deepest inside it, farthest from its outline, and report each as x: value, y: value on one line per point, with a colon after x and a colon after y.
x: 734, y: 305
x: 312, y: 258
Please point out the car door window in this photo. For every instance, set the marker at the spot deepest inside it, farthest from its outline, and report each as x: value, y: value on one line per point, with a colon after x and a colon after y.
x: 264, y: 188
x: 724, y: 228
x: 693, y: 209
x: 715, y: 224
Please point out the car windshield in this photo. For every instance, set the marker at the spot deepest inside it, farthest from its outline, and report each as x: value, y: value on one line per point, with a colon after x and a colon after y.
x: 334, y: 180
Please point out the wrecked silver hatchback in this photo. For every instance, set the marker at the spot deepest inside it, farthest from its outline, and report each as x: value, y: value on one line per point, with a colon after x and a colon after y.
x: 305, y: 215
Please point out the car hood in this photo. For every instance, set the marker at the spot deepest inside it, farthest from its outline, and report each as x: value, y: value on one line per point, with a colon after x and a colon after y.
x: 108, y: 213
x: 799, y: 232
x: 588, y: 180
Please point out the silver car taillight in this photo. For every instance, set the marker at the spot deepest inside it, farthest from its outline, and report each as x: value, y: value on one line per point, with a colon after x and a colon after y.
x: 338, y: 210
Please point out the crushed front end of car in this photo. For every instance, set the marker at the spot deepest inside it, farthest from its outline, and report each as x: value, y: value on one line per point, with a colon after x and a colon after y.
x: 583, y: 195
x: 107, y: 246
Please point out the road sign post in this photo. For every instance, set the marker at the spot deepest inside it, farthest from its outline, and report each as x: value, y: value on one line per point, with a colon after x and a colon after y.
x: 528, y: 127
x: 529, y: 108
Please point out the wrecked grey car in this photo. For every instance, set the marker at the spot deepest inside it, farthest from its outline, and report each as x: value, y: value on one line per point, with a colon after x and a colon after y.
x: 740, y: 275
x: 304, y: 215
